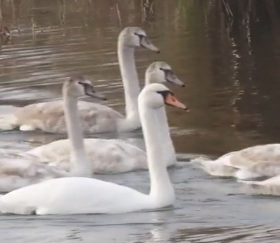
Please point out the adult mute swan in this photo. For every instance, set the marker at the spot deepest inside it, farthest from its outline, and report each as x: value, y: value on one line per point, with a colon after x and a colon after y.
x: 115, y: 156
x: 250, y: 163
x: 96, y: 118
x: 22, y: 171
x: 77, y: 195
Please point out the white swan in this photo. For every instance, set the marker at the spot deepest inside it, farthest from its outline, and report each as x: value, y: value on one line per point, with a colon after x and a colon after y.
x: 75, y: 195
x: 22, y: 171
x: 253, y: 162
x: 115, y: 156
x: 96, y: 118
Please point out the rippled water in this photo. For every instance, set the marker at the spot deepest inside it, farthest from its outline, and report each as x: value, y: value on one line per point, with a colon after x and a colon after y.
x: 232, y: 76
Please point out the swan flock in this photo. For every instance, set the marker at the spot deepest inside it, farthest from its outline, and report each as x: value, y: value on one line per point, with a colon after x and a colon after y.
x: 58, y: 178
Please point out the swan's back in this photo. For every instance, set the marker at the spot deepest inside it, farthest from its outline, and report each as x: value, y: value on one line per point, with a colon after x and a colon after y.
x: 255, y: 155
x: 17, y: 173
x: 106, y: 156
x: 49, y: 117
x: 73, y: 195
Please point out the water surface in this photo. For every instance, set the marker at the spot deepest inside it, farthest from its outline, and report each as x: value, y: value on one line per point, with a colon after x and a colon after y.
x: 232, y: 77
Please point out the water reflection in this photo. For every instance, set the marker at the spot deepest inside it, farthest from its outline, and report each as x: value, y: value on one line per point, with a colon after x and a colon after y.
x: 231, y: 67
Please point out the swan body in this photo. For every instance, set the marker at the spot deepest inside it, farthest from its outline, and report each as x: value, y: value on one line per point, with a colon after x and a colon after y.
x: 116, y: 156
x: 96, y: 118
x: 106, y: 156
x: 253, y: 162
x: 77, y: 195
x: 19, y: 172
x: 49, y: 117
x: 25, y: 169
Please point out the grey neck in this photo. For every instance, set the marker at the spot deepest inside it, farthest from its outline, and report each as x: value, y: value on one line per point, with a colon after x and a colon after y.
x: 150, y: 78
x: 129, y: 78
x: 81, y: 165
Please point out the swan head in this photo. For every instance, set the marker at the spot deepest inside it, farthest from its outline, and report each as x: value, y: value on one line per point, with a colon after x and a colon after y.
x: 77, y: 86
x: 161, y: 72
x: 157, y: 95
x: 132, y: 37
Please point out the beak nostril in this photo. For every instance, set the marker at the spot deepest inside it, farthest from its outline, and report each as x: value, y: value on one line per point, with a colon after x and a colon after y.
x: 158, y: 51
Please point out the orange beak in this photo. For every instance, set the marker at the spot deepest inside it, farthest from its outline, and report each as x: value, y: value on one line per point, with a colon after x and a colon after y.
x: 171, y: 100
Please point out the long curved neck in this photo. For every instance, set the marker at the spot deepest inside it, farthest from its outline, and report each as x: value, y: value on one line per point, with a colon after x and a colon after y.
x: 162, y: 191
x: 81, y: 165
x: 168, y: 149
x: 130, y: 80
x: 166, y: 141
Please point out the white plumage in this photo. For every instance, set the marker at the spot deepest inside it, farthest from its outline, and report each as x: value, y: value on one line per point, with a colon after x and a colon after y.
x: 83, y: 195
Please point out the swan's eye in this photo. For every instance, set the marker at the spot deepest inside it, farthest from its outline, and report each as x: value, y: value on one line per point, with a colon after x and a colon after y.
x: 169, y: 71
x: 168, y: 97
x: 83, y: 84
x: 87, y: 87
x: 165, y: 93
x: 139, y: 35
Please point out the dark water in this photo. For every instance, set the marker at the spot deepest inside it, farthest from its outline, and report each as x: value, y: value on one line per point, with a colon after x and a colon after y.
x: 233, y: 90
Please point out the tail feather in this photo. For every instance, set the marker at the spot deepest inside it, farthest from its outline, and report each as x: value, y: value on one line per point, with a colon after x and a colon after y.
x: 262, y: 188
x: 251, y: 183
x: 8, y: 122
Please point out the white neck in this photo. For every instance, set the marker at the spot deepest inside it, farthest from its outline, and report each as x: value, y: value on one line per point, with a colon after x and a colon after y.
x: 162, y: 191
x: 168, y: 149
x: 166, y: 141
x: 130, y: 80
x: 81, y: 165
